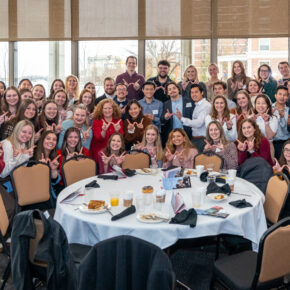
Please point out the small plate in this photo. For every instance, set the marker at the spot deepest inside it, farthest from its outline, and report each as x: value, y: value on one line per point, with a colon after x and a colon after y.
x: 147, y: 171
x: 84, y: 209
x: 148, y: 221
x: 190, y: 172
x: 213, y: 196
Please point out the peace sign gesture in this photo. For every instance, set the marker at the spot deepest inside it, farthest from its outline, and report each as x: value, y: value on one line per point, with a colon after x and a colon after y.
x: 140, y: 125
x: 50, y: 127
x: 117, y: 126
x: 136, y: 85
x: 130, y: 125
x: 241, y: 146
x: 219, y: 146
x: 178, y: 114
x: 2, y: 118
x: 120, y: 159
x: 69, y: 154
x: 37, y: 135
x: 169, y: 156
x: 251, y: 144
x: 30, y: 150
x: 86, y: 134
x: 54, y: 163
x: 106, y: 126
x: 106, y: 159
x: 207, y: 145
x: 266, y: 116
x: 168, y: 115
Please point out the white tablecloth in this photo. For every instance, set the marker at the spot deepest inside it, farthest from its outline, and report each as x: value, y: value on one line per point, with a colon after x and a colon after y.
x: 90, y: 229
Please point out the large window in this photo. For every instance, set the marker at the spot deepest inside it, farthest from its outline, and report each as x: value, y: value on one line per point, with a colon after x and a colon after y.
x: 252, y: 52
x: 42, y: 61
x: 101, y: 59
x: 4, y: 72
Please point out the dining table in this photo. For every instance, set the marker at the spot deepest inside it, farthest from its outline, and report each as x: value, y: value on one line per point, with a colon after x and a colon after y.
x: 90, y: 228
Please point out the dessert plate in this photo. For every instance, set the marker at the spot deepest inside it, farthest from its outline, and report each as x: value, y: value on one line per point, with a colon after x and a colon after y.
x: 84, y: 209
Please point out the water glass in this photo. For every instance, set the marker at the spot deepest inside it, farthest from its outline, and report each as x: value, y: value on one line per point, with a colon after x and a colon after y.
x: 199, y: 169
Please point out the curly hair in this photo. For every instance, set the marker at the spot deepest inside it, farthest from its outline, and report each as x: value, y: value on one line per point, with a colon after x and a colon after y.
x: 98, y: 112
x: 257, y: 134
x: 172, y: 148
x: 222, y: 133
x: 108, y: 150
x: 226, y: 112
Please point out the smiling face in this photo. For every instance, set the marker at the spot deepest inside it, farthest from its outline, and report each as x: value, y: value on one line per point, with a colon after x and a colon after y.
x: 261, y: 105
x: 25, y: 85
x: 191, y: 73
x: 38, y: 93
x: 12, y: 97
x: 214, y: 132
x: 219, y: 105
x: 116, y: 143
x: 91, y: 88
x: 134, y: 111
x: 57, y: 86
x: 60, y: 98
x: 109, y: 87
x: 108, y: 110
x: 72, y: 83
x: 178, y: 139
x: 172, y: 91
x: 286, y: 152
x: 237, y: 68
x: 79, y: 117
x: 25, y: 134
x: 148, y: 91
x: 151, y: 137
x: 163, y: 71
x: 30, y: 111
x: 253, y: 88
x: 87, y: 98
x: 26, y: 95
x: 49, y: 141
x: 218, y: 90
x: 281, y: 97
x: 213, y: 71
x: 248, y: 130
x: 284, y: 69
x: 264, y: 73
x: 196, y: 94
x: 121, y: 92
x: 131, y: 64
x: 50, y: 111
x: 242, y: 100
x: 72, y: 140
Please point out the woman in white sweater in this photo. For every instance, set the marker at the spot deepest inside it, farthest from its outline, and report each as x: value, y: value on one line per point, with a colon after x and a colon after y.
x: 18, y: 147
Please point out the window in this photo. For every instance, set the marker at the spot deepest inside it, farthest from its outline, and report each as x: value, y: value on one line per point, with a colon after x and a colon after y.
x: 42, y: 61
x: 101, y: 59
x: 4, y: 67
x: 264, y: 44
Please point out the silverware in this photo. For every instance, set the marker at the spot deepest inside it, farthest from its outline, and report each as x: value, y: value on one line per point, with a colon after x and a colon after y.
x: 241, y: 194
x: 107, y: 209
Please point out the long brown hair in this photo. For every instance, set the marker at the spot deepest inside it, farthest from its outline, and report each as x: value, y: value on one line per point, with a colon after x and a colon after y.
x: 42, y: 118
x: 172, y: 148
x: 222, y: 133
x: 258, y: 134
x: 108, y: 150
x: 64, y: 143
x: 21, y: 110
x: 40, y: 149
x: 282, y: 159
x: 5, y: 105
x: 214, y: 113
x: 250, y: 106
x: 66, y: 97
x: 91, y: 106
x: 243, y: 73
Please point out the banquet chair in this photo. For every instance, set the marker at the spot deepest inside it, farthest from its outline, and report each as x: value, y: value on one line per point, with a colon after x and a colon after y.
x: 136, y: 159
x: 4, y: 235
x: 263, y: 270
x: 277, y: 198
x: 132, y: 263
x: 204, y: 159
x: 31, y: 184
x: 78, y: 168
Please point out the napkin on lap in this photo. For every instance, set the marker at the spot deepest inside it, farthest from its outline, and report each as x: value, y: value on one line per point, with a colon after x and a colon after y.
x: 113, y: 177
x: 240, y: 203
x: 127, y: 211
x: 186, y: 217
x: 214, y: 188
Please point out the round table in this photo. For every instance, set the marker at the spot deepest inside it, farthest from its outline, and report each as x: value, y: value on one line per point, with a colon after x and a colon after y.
x: 90, y: 229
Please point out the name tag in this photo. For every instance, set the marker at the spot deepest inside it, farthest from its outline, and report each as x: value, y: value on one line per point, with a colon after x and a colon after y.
x: 188, y: 105
x: 155, y: 112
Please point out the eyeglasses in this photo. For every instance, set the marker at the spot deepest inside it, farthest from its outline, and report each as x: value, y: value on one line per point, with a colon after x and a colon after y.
x: 286, y: 150
x: 264, y: 70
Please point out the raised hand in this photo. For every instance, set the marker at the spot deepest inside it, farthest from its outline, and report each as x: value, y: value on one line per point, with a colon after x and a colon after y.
x: 140, y: 125
x: 207, y: 145
x: 106, y: 159
x: 119, y: 159
x: 150, y: 116
x: 43, y: 159
x: 86, y: 134
x: 251, y: 145
x: 3, y: 118
x: 168, y: 115
x: 54, y: 163
x: 50, y: 127
x: 125, y: 83
x: 169, y: 156
x: 63, y: 115
x: 117, y: 126
x: 219, y: 146
x: 37, y: 135
x: 178, y: 114
x: 130, y: 125
x: 152, y: 151
x: 106, y: 126
x: 266, y: 116
x: 30, y: 150
x: 241, y: 146
x: 229, y: 123
x: 136, y: 85
x: 277, y: 166
x: 69, y: 155
x: 180, y: 155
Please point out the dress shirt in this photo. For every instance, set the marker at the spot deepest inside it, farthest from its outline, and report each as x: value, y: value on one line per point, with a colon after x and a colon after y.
x: 155, y: 108
x: 197, y: 123
x: 177, y: 105
x: 119, y: 103
x: 133, y: 94
x: 282, y: 131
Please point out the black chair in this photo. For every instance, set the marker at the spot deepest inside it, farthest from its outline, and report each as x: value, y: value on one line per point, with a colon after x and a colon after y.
x: 262, y: 270
x: 126, y: 262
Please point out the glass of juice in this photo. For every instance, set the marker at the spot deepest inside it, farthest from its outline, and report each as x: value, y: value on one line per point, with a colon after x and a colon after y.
x: 114, y: 198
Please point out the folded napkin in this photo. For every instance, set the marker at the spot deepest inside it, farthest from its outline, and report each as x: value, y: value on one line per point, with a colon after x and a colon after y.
x: 214, y: 188
x: 113, y: 177
x: 177, y: 202
x: 186, y: 217
x: 240, y: 203
x: 127, y: 211
x: 92, y: 184
x: 204, y: 175
x: 129, y: 172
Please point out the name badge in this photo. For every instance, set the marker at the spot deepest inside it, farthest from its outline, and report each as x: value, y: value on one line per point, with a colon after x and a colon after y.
x: 188, y: 105
x: 155, y: 112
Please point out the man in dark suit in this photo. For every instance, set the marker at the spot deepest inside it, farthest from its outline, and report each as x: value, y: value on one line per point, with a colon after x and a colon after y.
x: 175, y: 104
x: 109, y: 88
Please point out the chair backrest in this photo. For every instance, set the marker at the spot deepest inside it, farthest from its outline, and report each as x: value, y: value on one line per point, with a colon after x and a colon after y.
x: 31, y: 184
x: 273, y: 260
x: 4, y: 221
x: 78, y: 168
x: 33, y: 244
x: 136, y: 160
x: 204, y: 159
x: 277, y: 194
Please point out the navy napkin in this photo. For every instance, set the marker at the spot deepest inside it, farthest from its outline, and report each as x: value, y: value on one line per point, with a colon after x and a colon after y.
x: 204, y: 175
x: 126, y: 212
x: 186, y: 217
x: 214, y: 188
x: 129, y: 172
x: 113, y: 177
x: 241, y: 203
x: 92, y: 184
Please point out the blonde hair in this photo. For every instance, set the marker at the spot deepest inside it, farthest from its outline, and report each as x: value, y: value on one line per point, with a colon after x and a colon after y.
x: 81, y: 107
x: 13, y: 138
x: 98, y: 112
x: 77, y: 90
x: 157, y: 142
x: 196, y: 74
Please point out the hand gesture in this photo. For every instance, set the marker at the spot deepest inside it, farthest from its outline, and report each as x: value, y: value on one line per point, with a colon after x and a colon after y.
x: 69, y: 155
x: 91, y: 116
x: 251, y: 145
x: 207, y: 145
x: 241, y: 146
x: 63, y: 115
x: 168, y: 115
x: 136, y: 85
x: 125, y: 83
x: 2, y: 118
x: 180, y: 155
x: 37, y: 135
x: 169, y: 156
x: 106, y: 126
x: 266, y: 116
x: 184, y: 84
x: 30, y: 150
x: 106, y: 159
x: 130, y: 125
x: 178, y: 114
x: 152, y: 151
x: 140, y: 125
x: 50, y: 127
x: 281, y: 113
x: 277, y: 166
x: 117, y: 126
x: 120, y: 159
x: 219, y: 146
x: 54, y: 163
x: 86, y: 134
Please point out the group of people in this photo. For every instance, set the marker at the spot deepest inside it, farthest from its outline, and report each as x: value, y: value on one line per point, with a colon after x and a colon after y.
x: 172, y: 122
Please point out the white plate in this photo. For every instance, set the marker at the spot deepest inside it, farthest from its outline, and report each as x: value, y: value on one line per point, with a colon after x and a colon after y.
x: 84, y: 209
x: 151, y: 171
x: 148, y: 221
x: 190, y: 172
x: 213, y: 195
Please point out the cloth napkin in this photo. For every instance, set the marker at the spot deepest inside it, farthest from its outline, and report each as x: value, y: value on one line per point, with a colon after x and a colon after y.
x: 214, y: 188
x: 129, y: 172
x: 241, y: 203
x: 186, y: 217
x: 113, y: 177
x: 92, y: 184
x: 204, y: 175
x: 127, y: 211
